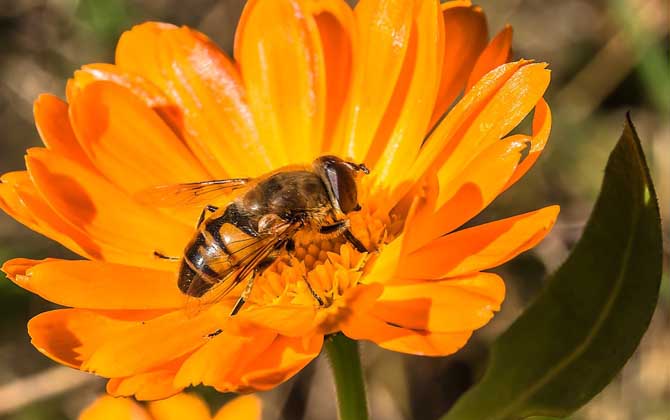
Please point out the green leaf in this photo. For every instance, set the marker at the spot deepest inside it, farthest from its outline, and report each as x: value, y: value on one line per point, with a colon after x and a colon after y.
x: 582, y: 328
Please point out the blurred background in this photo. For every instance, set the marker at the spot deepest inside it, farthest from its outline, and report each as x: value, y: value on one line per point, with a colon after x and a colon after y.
x: 606, y: 57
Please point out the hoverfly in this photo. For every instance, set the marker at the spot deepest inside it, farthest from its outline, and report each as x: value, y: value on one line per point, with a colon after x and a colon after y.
x: 238, y: 242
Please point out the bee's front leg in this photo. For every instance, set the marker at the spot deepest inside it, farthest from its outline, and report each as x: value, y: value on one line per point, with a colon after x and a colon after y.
x: 341, y: 227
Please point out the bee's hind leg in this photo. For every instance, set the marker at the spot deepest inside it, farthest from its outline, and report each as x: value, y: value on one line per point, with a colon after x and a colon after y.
x: 258, y: 270
x: 244, y: 296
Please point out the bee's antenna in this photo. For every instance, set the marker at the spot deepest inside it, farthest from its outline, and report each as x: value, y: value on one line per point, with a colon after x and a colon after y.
x: 361, y: 167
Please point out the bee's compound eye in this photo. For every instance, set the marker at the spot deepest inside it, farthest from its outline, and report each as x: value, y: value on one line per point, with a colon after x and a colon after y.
x: 340, y: 179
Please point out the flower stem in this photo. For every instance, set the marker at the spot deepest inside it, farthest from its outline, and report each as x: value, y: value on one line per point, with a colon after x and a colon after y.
x: 346, y: 365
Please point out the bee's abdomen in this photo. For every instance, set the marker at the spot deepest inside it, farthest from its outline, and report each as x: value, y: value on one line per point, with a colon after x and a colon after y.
x: 191, y: 282
x: 202, y: 266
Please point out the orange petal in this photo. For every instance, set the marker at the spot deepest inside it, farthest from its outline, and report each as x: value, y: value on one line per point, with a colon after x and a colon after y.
x: 498, y: 52
x: 161, y: 339
x: 16, y: 268
x: 106, y: 408
x: 194, y: 73
x: 492, y: 108
x: 480, y: 247
x: 337, y: 29
x: 285, y: 357
x: 466, y: 36
x: 103, y: 212
x: 441, y: 306
x: 99, y: 285
x: 180, y: 407
x: 146, y: 91
x: 53, y: 125
x: 405, y: 123
x: 384, y: 29
x: 424, y: 343
x: 541, y: 129
x: 279, y: 51
x: 154, y: 385
x: 290, y: 320
x: 215, y: 362
x: 127, y: 141
x: 43, y: 219
x: 71, y: 336
x: 459, y: 198
x: 245, y: 407
x: 12, y: 204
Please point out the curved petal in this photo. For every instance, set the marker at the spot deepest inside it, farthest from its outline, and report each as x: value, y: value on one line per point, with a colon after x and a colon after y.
x: 146, y: 91
x: 16, y: 268
x: 480, y: 247
x: 106, y: 214
x: 281, y: 59
x: 106, y: 407
x: 419, y: 342
x: 384, y: 29
x: 439, y: 306
x: 465, y: 38
x: 216, y: 361
x: 127, y: 141
x: 337, y: 30
x: 541, y: 129
x: 245, y: 407
x: 30, y: 208
x: 197, y: 76
x: 285, y: 357
x: 405, y: 123
x: 71, y: 336
x: 498, y: 52
x: 104, y: 286
x: 53, y: 125
x: 493, y: 107
x: 290, y: 320
x: 456, y: 199
x: 161, y: 339
x: 154, y: 385
x: 179, y: 407
x: 13, y: 205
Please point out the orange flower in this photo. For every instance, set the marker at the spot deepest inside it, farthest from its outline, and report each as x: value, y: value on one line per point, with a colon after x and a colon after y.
x: 309, y: 78
x: 180, y: 406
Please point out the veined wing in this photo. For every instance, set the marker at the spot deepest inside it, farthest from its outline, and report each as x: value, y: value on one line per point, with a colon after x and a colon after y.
x: 192, y: 193
x: 250, y: 255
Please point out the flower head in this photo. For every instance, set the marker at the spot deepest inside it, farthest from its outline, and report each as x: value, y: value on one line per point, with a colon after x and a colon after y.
x: 180, y: 406
x: 309, y: 78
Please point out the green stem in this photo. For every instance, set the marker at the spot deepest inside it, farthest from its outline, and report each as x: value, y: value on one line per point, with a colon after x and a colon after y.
x: 346, y: 364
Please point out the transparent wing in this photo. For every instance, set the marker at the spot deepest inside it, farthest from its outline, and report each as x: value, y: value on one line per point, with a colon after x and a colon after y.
x: 254, y: 251
x: 190, y: 194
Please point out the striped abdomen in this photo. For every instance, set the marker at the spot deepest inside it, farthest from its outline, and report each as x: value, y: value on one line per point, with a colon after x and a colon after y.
x: 216, y: 252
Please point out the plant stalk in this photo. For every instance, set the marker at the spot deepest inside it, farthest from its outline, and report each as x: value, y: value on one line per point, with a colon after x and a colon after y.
x: 346, y: 365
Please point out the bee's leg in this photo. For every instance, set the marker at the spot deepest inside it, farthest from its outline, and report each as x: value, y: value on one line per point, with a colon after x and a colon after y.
x: 354, y: 241
x: 341, y: 227
x: 244, y: 296
x: 311, y: 290
x: 165, y: 257
x: 247, y: 290
x: 208, y: 208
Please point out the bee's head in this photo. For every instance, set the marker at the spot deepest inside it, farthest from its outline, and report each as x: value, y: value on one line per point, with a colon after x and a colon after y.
x: 339, y: 176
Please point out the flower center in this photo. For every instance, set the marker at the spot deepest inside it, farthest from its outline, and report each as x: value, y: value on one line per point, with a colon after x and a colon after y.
x: 320, y: 269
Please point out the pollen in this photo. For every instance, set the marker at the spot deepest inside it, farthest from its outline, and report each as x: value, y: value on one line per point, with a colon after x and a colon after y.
x: 320, y: 269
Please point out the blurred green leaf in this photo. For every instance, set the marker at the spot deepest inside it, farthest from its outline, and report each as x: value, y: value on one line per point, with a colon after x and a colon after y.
x: 106, y: 18
x: 589, y: 319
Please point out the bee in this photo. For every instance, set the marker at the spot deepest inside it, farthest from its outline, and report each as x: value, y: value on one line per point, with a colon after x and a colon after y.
x: 238, y: 242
